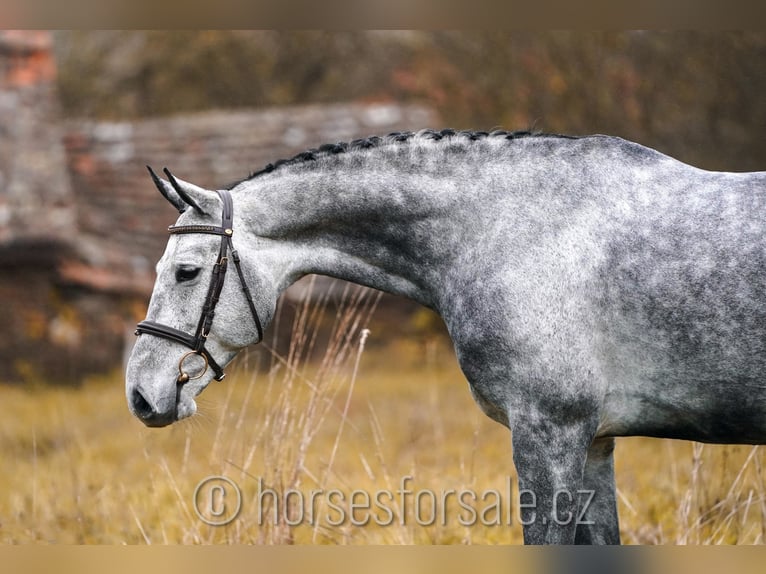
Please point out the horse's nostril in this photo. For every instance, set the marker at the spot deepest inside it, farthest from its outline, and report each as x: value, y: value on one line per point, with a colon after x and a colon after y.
x: 151, y: 416
x: 141, y: 406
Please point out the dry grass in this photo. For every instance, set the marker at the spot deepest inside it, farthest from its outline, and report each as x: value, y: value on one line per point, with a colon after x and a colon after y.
x: 77, y: 468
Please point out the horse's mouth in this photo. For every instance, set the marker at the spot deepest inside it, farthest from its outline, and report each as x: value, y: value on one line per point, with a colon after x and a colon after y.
x: 185, y: 409
x: 182, y: 411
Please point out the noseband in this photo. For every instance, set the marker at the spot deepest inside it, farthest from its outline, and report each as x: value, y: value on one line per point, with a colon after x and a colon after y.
x: 196, y: 342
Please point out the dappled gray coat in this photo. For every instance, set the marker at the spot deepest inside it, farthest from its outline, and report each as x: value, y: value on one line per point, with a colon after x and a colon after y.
x: 592, y: 287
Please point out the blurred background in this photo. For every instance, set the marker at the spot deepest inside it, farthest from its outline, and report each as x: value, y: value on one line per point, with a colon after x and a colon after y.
x: 81, y: 113
x: 81, y: 227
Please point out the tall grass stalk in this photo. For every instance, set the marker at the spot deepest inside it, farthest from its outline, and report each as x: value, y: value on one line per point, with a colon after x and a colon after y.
x: 718, y: 496
x: 333, y: 410
x: 301, y: 388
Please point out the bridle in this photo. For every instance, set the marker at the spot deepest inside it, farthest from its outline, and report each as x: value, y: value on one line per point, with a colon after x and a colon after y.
x: 196, y: 342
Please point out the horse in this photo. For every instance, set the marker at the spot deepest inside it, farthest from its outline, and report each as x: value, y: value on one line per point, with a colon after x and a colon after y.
x: 592, y: 287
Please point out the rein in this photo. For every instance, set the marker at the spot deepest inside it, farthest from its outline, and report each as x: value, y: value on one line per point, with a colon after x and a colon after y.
x: 196, y: 342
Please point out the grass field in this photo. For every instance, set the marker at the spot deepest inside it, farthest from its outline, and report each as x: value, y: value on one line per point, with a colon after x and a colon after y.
x: 343, y: 413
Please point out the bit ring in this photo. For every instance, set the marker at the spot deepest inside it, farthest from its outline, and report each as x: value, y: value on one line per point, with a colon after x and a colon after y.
x: 183, y: 376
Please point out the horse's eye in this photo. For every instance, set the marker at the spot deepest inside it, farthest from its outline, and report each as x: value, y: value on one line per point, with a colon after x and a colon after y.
x: 186, y: 273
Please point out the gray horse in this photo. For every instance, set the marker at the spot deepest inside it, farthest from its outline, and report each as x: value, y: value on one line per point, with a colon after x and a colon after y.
x: 592, y: 287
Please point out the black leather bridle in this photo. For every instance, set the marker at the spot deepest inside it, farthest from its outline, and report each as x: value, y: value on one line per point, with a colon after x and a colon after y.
x: 196, y: 342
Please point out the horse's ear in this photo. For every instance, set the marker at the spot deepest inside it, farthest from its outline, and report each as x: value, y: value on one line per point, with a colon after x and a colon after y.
x: 189, y: 193
x: 167, y: 191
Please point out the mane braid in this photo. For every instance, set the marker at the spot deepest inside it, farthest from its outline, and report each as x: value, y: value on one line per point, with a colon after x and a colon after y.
x: 392, y: 138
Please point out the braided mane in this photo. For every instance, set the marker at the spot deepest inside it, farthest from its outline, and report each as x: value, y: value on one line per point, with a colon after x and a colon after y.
x: 392, y: 138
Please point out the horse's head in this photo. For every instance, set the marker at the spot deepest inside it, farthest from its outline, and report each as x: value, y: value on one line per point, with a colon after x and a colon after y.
x: 202, y: 310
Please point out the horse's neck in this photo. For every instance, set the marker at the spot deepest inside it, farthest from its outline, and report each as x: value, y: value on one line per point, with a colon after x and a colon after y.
x: 387, y: 227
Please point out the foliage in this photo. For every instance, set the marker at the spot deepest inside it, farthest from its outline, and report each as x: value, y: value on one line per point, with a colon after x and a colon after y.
x: 131, y: 74
x: 696, y: 95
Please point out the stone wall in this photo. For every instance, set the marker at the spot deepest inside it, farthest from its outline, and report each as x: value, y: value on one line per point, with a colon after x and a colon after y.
x: 122, y: 219
x: 82, y: 225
